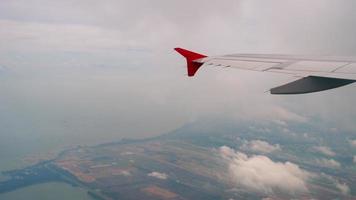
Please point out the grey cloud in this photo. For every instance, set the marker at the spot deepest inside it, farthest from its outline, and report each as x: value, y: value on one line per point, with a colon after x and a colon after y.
x: 352, y: 143
x: 324, y: 150
x: 343, y: 187
x: 158, y: 175
x: 24, y: 36
x: 260, y: 146
x: 329, y: 163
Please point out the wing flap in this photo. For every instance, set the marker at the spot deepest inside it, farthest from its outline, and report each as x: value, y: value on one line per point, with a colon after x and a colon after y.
x: 316, y: 66
x: 350, y: 68
x: 241, y: 64
x: 310, y: 84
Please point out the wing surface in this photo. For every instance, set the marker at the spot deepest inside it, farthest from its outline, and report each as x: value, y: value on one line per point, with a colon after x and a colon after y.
x: 317, y: 73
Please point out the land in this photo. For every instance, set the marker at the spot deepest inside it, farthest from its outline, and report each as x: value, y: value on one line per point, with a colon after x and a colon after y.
x: 184, y: 164
x: 111, y: 171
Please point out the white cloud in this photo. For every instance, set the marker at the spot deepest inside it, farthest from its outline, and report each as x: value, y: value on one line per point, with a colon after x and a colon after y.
x: 352, y: 143
x: 280, y: 122
x: 158, y: 175
x: 127, y: 153
x: 261, y: 174
x: 330, y: 163
x: 123, y: 173
x: 343, y: 187
x: 259, y: 129
x: 273, y: 113
x: 324, y: 150
x: 288, y: 115
x: 260, y: 146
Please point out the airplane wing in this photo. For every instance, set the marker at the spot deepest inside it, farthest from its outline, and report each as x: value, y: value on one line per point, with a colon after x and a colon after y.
x: 317, y: 73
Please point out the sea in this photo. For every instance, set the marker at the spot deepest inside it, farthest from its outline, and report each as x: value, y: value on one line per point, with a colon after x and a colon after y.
x: 20, y: 151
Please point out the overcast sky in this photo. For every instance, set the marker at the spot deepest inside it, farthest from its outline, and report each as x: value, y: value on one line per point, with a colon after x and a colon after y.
x: 77, y: 67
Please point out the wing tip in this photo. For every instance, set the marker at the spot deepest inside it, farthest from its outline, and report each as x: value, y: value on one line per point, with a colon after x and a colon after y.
x: 192, y: 67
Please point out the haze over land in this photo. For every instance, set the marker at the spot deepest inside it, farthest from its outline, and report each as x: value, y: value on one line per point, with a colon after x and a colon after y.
x: 88, y: 72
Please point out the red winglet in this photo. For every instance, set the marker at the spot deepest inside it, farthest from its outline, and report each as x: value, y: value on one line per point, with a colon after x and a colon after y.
x: 192, y: 66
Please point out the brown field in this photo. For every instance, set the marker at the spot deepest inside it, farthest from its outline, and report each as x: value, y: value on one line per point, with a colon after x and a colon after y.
x: 159, y: 192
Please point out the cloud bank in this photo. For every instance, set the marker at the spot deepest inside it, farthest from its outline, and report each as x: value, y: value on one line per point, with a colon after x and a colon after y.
x: 329, y: 163
x: 260, y: 146
x: 324, y: 150
x: 343, y: 187
x: 263, y: 175
x: 352, y: 143
x: 158, y: 175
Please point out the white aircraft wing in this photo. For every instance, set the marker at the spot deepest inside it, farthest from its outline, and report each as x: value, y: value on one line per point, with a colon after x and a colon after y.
x: 317, y: 73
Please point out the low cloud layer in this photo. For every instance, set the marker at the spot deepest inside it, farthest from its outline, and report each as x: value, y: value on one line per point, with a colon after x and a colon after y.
x: 343, y: 187
x: 329, y: 163
x: 352, y: 143
x: 260, y: 146
x: 158, y: 175
x: 324, y: 150
x: 263, y: 175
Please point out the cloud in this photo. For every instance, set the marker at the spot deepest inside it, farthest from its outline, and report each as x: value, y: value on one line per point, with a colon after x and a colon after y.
x: 124, y: 173
x: 101, y: 33
x: 62, y: 37
x: 324, y: 150
x: 280, y: 122
x: 270, y: 111
x: 343, y: 187
x: 158, y: 175
x: 263, y: 175
x: 260, y: 129
x: 285, y: 114
x: 354, y: 159
x: 98, y: 32
x: 352, y: 143
x: 127, y: 153
x: 260, y: 146
x: 329, y: 163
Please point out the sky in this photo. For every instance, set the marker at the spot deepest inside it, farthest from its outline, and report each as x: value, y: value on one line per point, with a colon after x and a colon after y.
x: 84, y: 67
x: 88, y: 71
